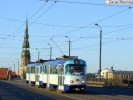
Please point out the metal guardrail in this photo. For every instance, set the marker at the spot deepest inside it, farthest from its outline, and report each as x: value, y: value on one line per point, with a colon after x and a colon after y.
x: 108, y: 84
x: 95, y: 83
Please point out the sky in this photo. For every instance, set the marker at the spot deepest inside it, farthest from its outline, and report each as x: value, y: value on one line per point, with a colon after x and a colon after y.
x: 75, y: 19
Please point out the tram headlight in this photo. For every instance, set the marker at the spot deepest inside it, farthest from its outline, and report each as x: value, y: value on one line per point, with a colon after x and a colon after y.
x: 83, y: 81
x: 71, y: 81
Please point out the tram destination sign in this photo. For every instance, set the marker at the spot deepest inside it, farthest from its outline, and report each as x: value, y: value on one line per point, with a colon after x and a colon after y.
x: 119, y: 1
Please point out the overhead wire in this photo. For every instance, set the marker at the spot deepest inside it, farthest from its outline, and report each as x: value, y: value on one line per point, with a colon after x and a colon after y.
x: 37, y: 11
x: 109, y: 33
x: 59, y: 25
x: 83, y: 26
x: 114, y: 39
x: 94, y: 45
x: 101, y: 19
x: 96, y: 35
x: 24, y: 23
x: 88, y: 3
x: 40, y: 23
x: 42, y: 13
x: 94, y: 22
x: 87, y: 25
x: 35, y: 19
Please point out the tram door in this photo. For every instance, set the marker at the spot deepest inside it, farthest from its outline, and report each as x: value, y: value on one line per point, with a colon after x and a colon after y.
x: 37, y: 75
x: 48, y: 76
x: 60, y: 77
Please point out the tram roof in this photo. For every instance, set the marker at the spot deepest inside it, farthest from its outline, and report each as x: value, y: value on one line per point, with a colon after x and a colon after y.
x: 34, y: 64
x: 55, y: 62
x: 52, y: 62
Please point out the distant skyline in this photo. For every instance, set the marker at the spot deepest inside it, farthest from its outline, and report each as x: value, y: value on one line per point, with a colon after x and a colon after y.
x: 72, y: 18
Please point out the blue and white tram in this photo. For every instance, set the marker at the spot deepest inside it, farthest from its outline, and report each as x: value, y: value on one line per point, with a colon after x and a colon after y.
x: 63, y: 75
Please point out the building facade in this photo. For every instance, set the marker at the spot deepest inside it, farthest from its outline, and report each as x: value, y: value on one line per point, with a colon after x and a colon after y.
x: 122, y: 75
x: 121, y: 78
x: 104, y: 73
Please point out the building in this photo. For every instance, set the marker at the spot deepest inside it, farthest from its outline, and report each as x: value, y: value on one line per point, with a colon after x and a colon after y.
x: 121, y: 75
x: 25, y: 54
x: 122, y: 78
x: 7, y: 74
x: 104, y: 72
x: 116, y: 74
x: 4, y: 73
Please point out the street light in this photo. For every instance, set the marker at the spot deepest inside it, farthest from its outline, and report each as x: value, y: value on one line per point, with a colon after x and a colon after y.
x: 50, y: 50
x: 99, y: 72
x: 18, y: 67
x: 69, y: 44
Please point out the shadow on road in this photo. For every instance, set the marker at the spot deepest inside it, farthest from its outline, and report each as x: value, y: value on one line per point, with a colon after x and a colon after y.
x: 10, y: 91
x: 108, y: 90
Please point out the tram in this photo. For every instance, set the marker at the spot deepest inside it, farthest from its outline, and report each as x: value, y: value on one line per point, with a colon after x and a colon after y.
x: 60, y: 74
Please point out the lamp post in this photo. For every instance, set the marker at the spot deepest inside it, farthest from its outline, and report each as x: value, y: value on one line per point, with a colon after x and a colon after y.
x: 50, y: 50
x: 69, y: 44
x: 18, y: 67
x: 100, y: 50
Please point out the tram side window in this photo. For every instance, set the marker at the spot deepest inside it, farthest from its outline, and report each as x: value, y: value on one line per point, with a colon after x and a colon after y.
x: 41, y: 69
x: 44, y: 69
x: 55, y: 69
x: 60, y: 69
x: 32, y: 69
x: 28, y: 70
x: 37, y: 70
x: 51, y: 69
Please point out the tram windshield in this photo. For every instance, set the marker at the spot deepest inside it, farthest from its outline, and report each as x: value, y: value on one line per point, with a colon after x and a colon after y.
x: 73, y: 69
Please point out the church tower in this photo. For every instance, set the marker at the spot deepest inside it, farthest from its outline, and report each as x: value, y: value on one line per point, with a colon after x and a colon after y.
x: 25, y: 54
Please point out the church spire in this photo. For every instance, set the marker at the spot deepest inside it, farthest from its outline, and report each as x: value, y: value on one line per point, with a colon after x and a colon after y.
x: 25, y: 55
x: 26, y: 35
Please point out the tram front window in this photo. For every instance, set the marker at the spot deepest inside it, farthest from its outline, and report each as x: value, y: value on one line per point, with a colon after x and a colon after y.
x: 75, y: 69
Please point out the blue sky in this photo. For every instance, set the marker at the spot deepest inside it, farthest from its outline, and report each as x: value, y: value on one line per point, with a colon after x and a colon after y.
x: 72, y: 18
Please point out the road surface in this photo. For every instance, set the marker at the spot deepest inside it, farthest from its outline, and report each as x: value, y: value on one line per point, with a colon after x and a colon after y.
x: 18, y: 90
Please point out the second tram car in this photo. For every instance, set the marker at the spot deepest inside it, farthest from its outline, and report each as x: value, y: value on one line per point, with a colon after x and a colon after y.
x: 61, y: 74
